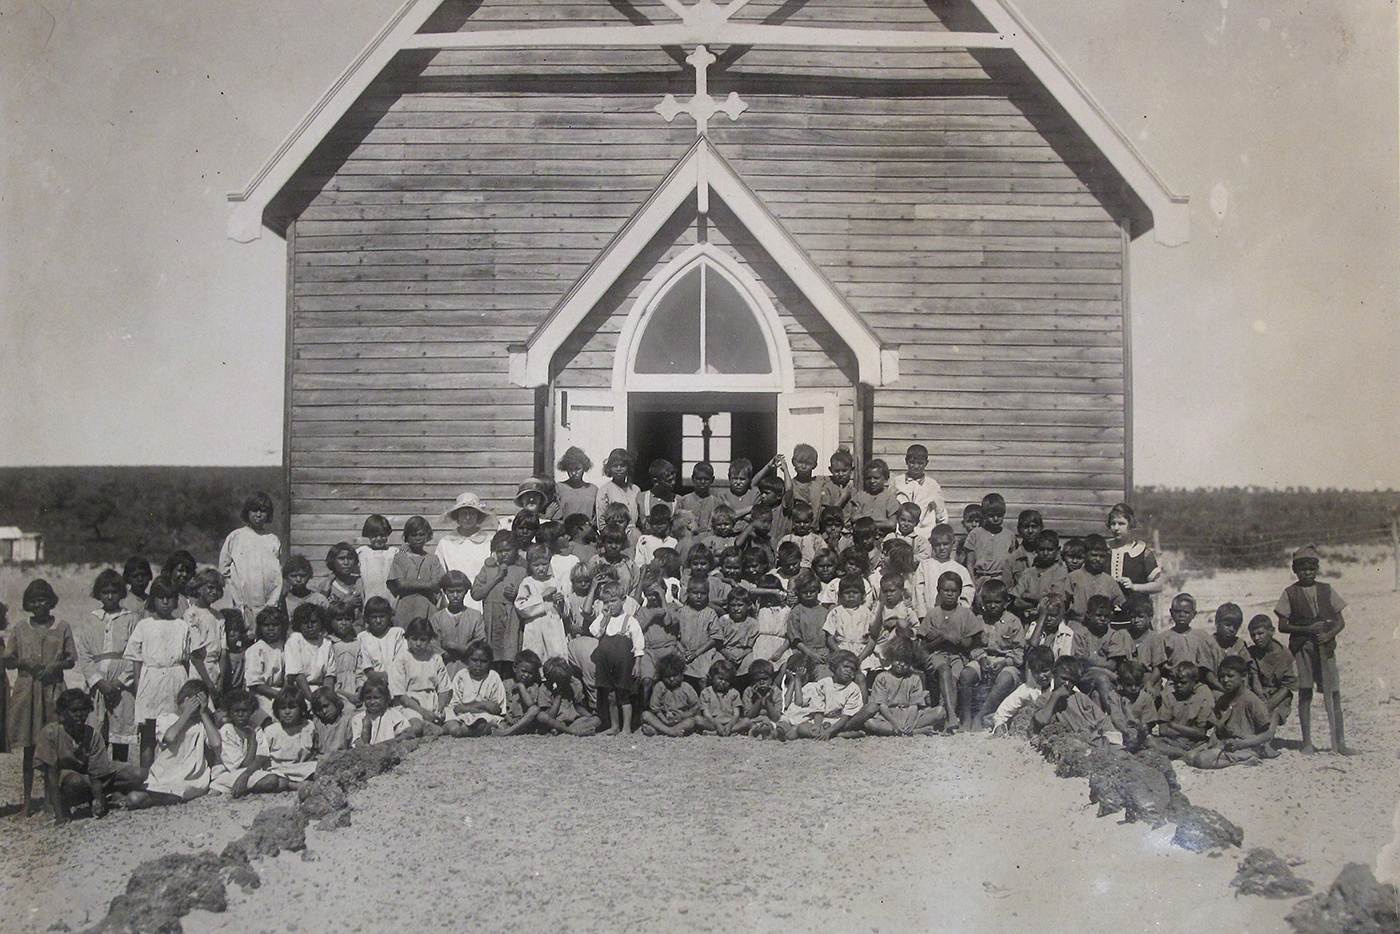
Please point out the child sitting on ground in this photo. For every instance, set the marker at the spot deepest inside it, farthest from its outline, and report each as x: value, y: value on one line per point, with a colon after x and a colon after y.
x: 1183, y: 718
x: 1272, y: 675
x: 722, y: 710
x: 73, y: 761
x: 286, y: 754
x: 830, y: 706
x: 565, y: 713
x: 238, y: 746
x: 378, y: 720
x: 675, y: 708
x: 1068, y: 703
x: 1311, y: 614
x: 1243, y: 727
x: 332, y: 727
x: 418, y: 678
x: 899, y: 700
x: 1040, y: 662
x: 478, y: 702
x: 1001, y: 655
x: 761, y: 705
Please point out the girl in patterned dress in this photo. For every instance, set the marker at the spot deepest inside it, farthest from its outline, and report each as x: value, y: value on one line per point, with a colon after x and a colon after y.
x: 39, y: 649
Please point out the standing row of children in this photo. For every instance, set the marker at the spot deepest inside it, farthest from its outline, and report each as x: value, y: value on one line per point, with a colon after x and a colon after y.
x: 802, y: 607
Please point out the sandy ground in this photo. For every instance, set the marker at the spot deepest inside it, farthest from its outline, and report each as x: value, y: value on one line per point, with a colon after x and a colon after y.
x: 955, y: 834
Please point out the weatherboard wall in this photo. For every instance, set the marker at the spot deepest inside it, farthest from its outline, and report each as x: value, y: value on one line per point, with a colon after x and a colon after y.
x: 460, y: 200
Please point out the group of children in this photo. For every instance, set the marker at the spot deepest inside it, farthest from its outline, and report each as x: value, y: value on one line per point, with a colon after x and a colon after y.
x: 784, y: 605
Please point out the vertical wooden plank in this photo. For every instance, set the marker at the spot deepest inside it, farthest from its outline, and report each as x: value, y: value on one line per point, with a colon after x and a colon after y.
x: 288, y: 355
x: 1127, y: 368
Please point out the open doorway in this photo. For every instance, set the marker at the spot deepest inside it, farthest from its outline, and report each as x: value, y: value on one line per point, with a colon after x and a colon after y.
x: 684, y: 428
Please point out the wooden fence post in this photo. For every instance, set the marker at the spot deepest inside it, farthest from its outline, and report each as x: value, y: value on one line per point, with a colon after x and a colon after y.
x: 1395, y: 545
x: 1157, y: 542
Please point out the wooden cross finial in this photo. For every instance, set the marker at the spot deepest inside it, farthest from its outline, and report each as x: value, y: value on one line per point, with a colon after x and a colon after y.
x: 702, y: 106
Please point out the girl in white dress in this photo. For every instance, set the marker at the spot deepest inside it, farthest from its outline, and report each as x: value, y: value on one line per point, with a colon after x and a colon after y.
x: 306, y: 657
x: 377, y: 721
x: 264, y: 664
x: 418, y: 677
x: 478, y: 699
x: 188, y: 741
x: 251, y: 559
x: 160, y: 647
x: 286, y: 750
x: 238, y: 747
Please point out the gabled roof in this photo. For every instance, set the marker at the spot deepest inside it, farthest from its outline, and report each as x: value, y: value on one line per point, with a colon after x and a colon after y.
x: 997, y: 26
x: 702, y: 172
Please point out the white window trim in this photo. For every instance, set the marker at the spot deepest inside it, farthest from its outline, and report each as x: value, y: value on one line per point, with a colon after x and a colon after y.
x: 781, y: 378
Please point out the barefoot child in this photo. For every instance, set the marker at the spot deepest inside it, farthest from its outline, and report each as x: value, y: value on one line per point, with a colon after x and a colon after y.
x: 73, y: 760
x: 1311, y: 614
x: 496, y: 588
x: 456, y: 626
x: 160, y: 646
x: 566, y: 713
x: 1002, y: 652
x: 1183, y: 718
x: 478, y: 702
x: 1243, y: 727
x: 722, y: 709
x: 837, y: 703
x: 675, y: 707
x: 418, y: 677
x: 238, y: 746
x: 286, y: 753
x: 620, y: 644
x: 250, y: 561
x: 806, y: 623
x: 759, y: 703
x: 1272, y: 673
x: 189, y: 742
x: 100, y: 641
x: 39, y: 649
x: 899, y: 699
x: 265, y: 664
x: 947, y: 637
x: 345, y: 655
x: 1222, y: 643
x: 852, y: 626
x: 526, y: 695
x: 379, y: 720
x: 332, y: 726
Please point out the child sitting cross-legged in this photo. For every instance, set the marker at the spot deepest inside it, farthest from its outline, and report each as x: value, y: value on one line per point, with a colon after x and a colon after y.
x: 1183, y: 716
x: 829, y: 706
x: 1040, y: 662
x: 238, y: 746
x: 566, y: 712
x: 478, y: 702
x: 720, y: 702
x: 899, y: 700
x: 418, y: 678
x: 286, y: 754
x: 761, y: 702
x: 1242, y: 726
x: 675, y: 707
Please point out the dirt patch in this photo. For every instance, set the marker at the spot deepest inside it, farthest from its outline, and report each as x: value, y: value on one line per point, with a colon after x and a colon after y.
x: 1263, y: 872
x: 162, y: 891
x: 1355, y: 904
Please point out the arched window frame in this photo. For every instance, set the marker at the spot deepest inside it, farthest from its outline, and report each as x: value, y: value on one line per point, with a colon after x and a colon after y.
x: 779, y: 379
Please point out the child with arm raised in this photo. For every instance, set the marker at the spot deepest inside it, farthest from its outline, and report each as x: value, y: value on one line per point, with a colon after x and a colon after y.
x: 189, y: 742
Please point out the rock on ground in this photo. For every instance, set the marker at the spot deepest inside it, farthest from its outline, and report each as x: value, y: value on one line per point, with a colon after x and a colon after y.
x: 1263, y: 872
x: 162, y: 891
x: 1355, y: 904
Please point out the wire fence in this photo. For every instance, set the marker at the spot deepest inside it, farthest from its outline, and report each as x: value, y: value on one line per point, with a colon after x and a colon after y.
x: 1254, y: 549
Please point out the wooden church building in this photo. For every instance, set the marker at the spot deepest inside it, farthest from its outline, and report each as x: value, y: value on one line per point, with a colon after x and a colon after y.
x: 702, y: 230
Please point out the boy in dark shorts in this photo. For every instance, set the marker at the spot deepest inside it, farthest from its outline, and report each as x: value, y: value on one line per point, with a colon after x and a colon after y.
x: 1311, y: 614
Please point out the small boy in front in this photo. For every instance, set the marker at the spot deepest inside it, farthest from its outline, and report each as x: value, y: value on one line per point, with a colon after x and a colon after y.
x: 1244, y: 728
x: 917, y: 487
x: 947, y: 635
x: 1272, y: 673
x: 1311, y: 614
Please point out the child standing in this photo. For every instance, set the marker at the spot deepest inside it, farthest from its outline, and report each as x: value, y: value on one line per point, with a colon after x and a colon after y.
x: 935, y: 566
x: 265, y: 664
x: 541, y: 605
x: 876, y: 500
x: 1093, y: 579
x: 414, y: 575
x: 1175, y: 645
x: 1311, y: 614
x: 496, y: 587
x: 296, y: 586
x: 576, y: 495
x: 988, y: 546
x: 1046, y: 575
x: 806, y: 623
x: 457, y: 627
x: 251, y: 559
x: 376, y: 557
x: 1222, y: 643
x: 39, y: 649
x: 836, y: 491
x: 138, y: 576
x: 947, y: 636
x: 700, y: 501
x: 620, y: 644
x: 698, y: 625
x: 345, y: 584
x: 207, y: 630
x: 851, y: 626
x: 160, y: 646
x: 741, y: 494
x: 107, y: 676
x: 619, y: 488
x: 918, y: 488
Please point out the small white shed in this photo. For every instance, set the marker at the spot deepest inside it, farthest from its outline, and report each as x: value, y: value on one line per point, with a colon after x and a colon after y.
x: 18, y: 547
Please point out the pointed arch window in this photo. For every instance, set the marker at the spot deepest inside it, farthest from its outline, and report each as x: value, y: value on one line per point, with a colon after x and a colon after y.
x: 703, y: 323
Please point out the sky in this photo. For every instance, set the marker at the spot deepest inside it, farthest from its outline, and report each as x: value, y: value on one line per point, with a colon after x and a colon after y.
x: 1264, y: 350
